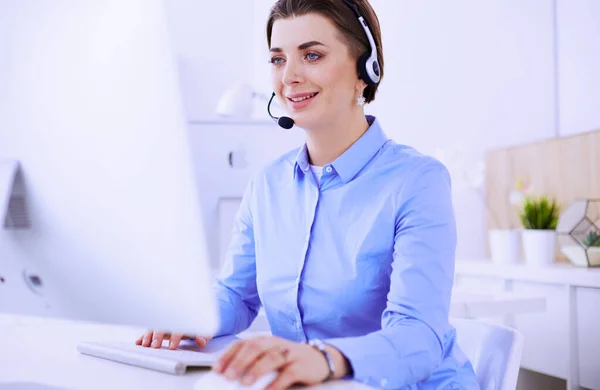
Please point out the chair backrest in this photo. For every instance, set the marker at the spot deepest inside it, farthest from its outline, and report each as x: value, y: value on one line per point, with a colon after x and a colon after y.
x: 494, y: 350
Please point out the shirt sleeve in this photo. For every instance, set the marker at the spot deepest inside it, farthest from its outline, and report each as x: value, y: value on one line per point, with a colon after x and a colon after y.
x: 236, y: 285
x: 410, y: 345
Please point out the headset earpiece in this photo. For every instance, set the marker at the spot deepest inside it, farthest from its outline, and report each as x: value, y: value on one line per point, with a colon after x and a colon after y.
x: 362, y: 69
x: 368, y: 69
x: 368, y: 66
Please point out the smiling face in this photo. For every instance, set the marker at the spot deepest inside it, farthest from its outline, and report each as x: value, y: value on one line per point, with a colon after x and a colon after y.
x: 313, y: 73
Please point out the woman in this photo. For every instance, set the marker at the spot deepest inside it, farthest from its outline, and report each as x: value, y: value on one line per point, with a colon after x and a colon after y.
x: 347, y: 242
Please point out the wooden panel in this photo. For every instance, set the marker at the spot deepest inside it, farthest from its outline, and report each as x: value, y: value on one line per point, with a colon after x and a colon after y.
x: 567, y: 168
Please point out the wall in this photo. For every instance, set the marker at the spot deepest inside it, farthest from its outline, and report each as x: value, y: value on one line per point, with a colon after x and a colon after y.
x: 207, y: 65
x: 578, y: 61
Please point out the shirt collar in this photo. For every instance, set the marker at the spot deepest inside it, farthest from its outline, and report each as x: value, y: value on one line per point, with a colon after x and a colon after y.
x: 355, y: 158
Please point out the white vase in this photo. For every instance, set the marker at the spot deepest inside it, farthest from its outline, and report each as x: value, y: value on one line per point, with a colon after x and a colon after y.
x: 539, y: 246
x: 505, y: 246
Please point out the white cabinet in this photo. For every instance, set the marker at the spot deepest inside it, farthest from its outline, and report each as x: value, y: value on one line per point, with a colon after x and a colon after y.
x: 227, y: 211
x: 588, y: 336
x: 481, y: 285
x: 564, y: 340
x: 546, y: 343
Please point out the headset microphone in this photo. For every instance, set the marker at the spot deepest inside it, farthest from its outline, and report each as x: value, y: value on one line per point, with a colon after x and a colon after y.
x: 284, y: 121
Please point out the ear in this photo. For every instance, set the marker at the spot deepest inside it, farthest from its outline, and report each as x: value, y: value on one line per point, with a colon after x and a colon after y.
x: 359, y: 87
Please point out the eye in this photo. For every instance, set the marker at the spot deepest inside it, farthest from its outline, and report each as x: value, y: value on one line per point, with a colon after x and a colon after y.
x: 312, y: 57
x: 276, y: 61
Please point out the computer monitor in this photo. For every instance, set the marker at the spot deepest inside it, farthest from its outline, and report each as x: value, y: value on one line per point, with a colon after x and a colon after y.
x: 94, y: 150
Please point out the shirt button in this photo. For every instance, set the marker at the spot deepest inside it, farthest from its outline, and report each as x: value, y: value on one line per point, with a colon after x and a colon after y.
x: 328, y: 169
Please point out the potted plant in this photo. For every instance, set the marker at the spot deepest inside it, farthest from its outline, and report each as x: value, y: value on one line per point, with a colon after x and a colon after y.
x: 539, y: 217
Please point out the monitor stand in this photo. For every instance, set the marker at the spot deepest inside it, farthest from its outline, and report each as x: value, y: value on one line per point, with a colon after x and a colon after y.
x: 13, y: 205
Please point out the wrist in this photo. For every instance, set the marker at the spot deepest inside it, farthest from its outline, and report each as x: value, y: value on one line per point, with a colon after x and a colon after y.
x: 321, y: 347
x: 342, y: 365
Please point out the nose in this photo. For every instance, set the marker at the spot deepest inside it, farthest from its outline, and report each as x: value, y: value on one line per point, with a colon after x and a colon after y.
x: 291, y: 73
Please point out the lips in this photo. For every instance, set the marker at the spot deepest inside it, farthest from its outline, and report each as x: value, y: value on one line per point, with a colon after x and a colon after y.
x: 299, y: 97
x: 300, y: 101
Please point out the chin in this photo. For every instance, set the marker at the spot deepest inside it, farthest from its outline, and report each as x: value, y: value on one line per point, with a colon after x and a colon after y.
x: 309, y: 120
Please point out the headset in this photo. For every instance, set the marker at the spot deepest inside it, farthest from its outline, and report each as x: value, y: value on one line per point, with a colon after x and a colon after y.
x: 368, y: 65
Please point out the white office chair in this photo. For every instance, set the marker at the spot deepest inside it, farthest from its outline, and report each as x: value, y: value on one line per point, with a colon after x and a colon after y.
x: 495, y: 352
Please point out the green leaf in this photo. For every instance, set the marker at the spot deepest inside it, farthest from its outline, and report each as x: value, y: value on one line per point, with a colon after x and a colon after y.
x: 539, y: 213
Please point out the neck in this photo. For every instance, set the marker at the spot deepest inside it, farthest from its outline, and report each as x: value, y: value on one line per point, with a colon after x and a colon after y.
x: 326, y: 144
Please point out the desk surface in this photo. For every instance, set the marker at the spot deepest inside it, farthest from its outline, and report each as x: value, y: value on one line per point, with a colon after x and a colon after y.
x: 44, y: 351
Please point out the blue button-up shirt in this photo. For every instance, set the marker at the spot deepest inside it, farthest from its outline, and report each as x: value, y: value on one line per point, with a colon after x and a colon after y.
x: 364, y: 261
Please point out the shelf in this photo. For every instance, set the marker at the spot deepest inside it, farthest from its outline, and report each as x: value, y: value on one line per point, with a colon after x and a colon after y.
x: 470, y: 305
x: 565, y: 274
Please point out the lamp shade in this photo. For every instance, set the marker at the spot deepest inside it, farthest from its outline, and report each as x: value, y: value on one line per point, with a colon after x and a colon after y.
x: 236, y: 102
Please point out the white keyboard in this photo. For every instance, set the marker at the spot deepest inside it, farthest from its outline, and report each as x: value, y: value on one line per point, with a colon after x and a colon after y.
x: 173, y: 362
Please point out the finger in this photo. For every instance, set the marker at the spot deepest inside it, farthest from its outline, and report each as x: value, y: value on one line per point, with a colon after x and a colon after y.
x: 222, y: 364
x: 202, y: 341
x: 225, y: 359
x: 158, y: 339
x: 287, y: 377
x: 147, y: 339
x: 175, y: 339
x: 246, y: 357
x: 272, y: 360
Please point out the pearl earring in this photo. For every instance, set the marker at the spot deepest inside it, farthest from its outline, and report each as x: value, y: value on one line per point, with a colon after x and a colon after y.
x: 360, y: 101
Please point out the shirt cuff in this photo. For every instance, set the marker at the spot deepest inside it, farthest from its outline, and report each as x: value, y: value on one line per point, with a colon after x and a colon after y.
x: 365, y: 354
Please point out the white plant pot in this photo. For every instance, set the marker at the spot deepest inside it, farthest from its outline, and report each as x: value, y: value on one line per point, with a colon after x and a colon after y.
x: 505, y: 246
x: 539, y: 246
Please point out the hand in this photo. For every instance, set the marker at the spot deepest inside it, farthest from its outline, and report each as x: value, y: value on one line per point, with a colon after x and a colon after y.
x: 155, y: 339
x: 297, y: 363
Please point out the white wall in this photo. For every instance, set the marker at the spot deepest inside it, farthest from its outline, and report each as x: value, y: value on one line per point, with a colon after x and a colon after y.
x: 578, y: 49
x: 213, y: 48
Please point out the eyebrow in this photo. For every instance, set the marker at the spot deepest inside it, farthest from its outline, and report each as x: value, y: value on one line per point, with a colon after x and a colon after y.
x: 303, y: 46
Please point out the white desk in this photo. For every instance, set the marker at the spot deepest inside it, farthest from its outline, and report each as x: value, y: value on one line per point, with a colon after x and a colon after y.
x: 44, y: 351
